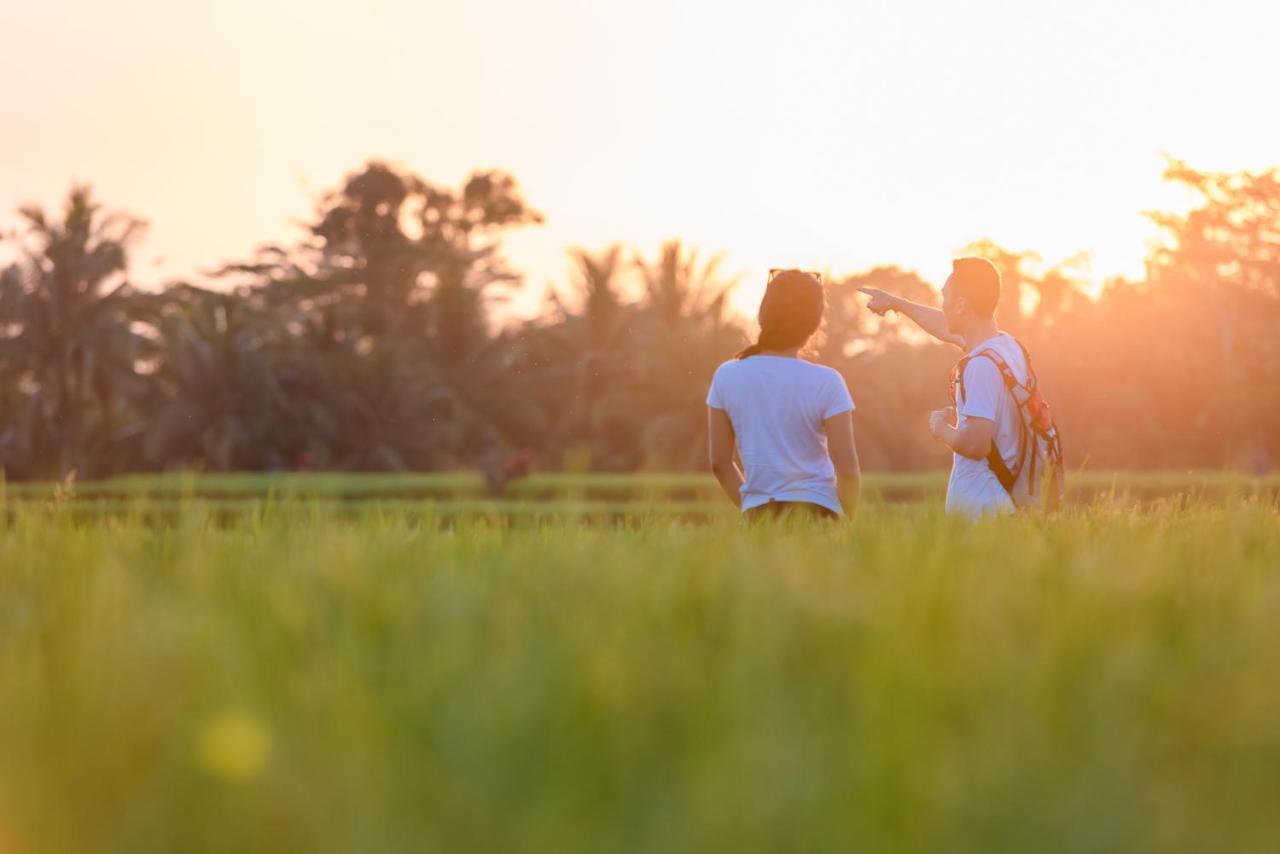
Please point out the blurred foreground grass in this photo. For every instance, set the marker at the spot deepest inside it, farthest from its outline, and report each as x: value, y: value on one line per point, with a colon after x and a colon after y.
x: 287, y: 677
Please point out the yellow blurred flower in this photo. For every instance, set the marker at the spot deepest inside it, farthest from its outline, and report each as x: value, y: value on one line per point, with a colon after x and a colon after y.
x: 234, y: 746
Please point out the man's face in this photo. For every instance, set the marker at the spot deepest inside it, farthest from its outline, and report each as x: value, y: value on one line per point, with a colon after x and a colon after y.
x: 952, y: 306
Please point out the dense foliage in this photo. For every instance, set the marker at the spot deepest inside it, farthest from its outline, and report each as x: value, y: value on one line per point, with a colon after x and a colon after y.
x: 378, y: 343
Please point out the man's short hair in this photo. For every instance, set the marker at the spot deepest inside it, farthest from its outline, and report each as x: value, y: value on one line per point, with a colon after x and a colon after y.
x: 978, y: 281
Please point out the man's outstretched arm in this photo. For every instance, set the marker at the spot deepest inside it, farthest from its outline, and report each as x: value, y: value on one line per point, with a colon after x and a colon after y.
x: 928, y: 318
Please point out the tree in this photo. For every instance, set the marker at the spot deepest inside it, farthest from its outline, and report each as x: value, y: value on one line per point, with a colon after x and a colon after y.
x: 896, y: 373
x: 583, y: 352
x: 684, y: 330
x: 68, y: 340
x: 217, y: 402
x: 372, y: 344
x: 398, y: 274
x: 1220, y: 264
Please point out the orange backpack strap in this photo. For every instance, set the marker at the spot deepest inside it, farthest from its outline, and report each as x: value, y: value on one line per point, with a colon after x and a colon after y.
x: 995, y: 461
x: 957, y: 373
x: 957, y: 381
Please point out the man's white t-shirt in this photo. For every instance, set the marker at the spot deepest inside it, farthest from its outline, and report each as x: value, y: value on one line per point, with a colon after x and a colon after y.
x: 777, y: 405
x: 974, y: 489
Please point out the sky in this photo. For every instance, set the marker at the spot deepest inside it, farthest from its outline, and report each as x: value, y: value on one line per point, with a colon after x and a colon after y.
x: 824, y: 135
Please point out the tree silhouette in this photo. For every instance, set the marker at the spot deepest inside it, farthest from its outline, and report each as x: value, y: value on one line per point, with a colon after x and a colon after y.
x: 684, y: 330
x: 584, y: 354
x: 1220, y: 263
x: 218, y: 402
x: 372, y: 343
x: 398, y: 274
x: 68, y: 344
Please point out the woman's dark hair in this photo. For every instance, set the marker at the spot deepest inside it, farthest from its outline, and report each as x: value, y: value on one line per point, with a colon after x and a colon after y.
x: 790, y: 312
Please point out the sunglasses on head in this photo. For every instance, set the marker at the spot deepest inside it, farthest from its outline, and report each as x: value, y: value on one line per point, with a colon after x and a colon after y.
x: 775, y: 271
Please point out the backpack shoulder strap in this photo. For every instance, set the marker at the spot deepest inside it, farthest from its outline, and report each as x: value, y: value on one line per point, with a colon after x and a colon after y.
x: 995, y: 461
x: 957, y: 380
x: 1000, y: 469
x: 1026, y: 355
x: 957, y: 373
x: 1006, y: 373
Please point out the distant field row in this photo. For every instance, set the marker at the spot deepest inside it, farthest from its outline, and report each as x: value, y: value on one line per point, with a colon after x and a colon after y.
x: 596, y: 488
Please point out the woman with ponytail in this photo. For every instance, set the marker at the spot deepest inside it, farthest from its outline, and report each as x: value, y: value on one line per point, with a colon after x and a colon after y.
x: 791, y: 421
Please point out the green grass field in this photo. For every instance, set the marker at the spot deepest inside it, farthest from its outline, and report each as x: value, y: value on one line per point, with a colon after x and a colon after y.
x: 348, y: 667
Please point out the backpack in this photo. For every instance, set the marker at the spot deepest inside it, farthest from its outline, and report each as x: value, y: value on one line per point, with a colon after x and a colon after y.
x: 1038, y: 477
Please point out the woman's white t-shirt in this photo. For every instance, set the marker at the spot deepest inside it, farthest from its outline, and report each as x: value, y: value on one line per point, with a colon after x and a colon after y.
x: 777, y: 405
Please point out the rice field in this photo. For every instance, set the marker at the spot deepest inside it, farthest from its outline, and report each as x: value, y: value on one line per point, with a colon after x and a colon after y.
x: 615, y: 665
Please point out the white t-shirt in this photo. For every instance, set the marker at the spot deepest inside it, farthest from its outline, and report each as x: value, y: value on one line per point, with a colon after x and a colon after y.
x: 777, y: 405
x: 974, y: 489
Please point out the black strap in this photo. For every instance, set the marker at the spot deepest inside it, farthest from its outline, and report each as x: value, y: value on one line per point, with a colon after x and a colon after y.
x: 997, y: 465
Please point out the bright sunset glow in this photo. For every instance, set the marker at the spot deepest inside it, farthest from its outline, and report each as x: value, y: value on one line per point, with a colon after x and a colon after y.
x: 821, y: 134
x: 592, y: 426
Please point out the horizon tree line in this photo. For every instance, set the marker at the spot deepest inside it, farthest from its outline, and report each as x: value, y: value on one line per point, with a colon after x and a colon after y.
x: 371, y: 344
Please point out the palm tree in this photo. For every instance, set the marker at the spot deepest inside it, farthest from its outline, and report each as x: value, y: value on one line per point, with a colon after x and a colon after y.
x: 67, y: 304
x: 218, y: 403
x: 684, y: 331
x: 586, y: 350
x: 677, y: 289
x: 600, y: 295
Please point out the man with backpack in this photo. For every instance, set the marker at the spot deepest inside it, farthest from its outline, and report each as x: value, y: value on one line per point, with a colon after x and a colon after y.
x: 1007, y: 454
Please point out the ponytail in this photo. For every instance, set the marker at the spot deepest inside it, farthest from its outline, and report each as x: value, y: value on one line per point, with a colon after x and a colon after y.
x: 767, y: 339
x: 763, y: 342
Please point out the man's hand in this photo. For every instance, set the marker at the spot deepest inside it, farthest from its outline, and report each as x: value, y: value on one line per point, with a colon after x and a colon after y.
x: 881, y: 301
x: 941, y: 421
x: 928, y: 318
